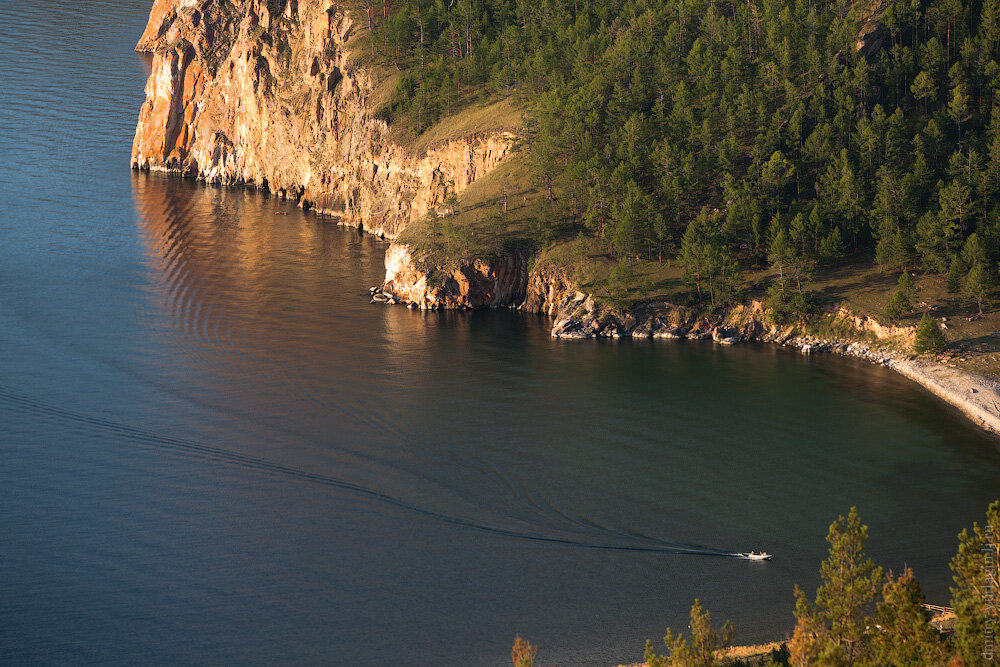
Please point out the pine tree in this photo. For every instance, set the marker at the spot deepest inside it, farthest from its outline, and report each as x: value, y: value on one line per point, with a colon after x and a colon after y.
x: 973, y: 251
x: 958, y: 106
x: 810, y: 638
x: 781, y: 256
x: 976, y: 286
x: 700, y: 651
x: 899, y: 305
x: 775, y: 175
x: 708, y: 262
x: 887, y: 215
x: 831, y: 248
x: 696, y: 237
x: 833, y: 628
x: 956, y: 270
x: 923, y: 88
x: 957, y: 205
x: 903, y: 634
x: 906, y: 285
x: 930, y: 338
x: 976, y: 593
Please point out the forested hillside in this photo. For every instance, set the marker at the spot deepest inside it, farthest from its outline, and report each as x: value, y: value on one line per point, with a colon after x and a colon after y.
x: 729, y: 135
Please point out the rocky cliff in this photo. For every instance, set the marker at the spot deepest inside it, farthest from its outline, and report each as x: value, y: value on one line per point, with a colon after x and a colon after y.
x: 550, y: 290
x: 263, y: 92
x: 474, y: 284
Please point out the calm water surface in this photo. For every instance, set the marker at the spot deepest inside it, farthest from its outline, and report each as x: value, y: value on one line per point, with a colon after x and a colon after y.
x: 213, y: 449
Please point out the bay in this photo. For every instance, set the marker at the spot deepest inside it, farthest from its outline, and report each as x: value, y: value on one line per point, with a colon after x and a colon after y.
x: 215, y: 450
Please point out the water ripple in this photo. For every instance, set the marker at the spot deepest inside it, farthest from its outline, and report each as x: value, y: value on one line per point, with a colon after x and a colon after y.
x: 233, y: 459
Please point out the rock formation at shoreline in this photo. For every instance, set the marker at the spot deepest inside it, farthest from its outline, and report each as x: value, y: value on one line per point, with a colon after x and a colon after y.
x: 550, y: 290
x: 264, y: 93
x: 241, y: 95
x: 476, y: 284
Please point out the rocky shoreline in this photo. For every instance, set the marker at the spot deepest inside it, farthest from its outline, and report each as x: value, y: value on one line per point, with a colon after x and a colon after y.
x: 549, y: 290
x: 239, y: 94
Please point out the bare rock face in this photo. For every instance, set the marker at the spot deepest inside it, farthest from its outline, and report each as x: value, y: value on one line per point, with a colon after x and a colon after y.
x: 550, y: 290
x: 506, y: 282
x: 902, y: 336
x: 475, y: 284
x: 262, y: 92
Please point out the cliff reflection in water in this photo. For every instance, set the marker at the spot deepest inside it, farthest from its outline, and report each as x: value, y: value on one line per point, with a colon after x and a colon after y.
x: 254, y: 289
x: 261, y: 313
x: 259, y: 305
x: 460, y: 431
x: 239, y: 275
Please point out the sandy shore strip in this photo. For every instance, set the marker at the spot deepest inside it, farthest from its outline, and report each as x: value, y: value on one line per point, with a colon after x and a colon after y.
x: 737, y: 652
x: 977, y: 396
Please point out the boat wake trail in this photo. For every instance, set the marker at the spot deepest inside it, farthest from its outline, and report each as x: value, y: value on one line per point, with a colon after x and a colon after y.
x: 107, y: 428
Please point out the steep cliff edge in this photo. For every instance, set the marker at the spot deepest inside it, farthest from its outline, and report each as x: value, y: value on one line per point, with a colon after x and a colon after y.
x: 263, y: 92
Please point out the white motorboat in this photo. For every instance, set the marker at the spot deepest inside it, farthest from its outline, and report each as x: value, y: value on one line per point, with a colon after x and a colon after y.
x: 754, y: 555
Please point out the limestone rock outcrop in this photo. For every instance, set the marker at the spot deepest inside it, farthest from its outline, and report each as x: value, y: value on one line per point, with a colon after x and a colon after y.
x: 550, y: 289
x: 475, y: 284
x: 264, y: 93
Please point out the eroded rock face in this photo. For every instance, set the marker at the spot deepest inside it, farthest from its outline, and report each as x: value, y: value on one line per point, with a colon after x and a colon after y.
x: 551, y: 290
x: 262, y: 92
x: 476, y: 284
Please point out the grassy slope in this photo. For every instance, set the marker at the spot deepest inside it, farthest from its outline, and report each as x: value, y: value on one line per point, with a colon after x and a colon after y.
x: 858, y: 286
x: 477, y: 114
x: 479, y: 227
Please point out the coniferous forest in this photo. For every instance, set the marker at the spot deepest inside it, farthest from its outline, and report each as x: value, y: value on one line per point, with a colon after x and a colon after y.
x: 727, y: 135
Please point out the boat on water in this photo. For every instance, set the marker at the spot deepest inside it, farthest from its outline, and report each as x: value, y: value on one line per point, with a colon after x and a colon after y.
x: 755, y: 555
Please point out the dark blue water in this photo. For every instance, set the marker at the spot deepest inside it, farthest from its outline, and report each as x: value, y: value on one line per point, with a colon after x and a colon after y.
x: 213, y: 449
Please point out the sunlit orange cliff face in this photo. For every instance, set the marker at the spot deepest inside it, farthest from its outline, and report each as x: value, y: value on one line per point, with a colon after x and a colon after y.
x: 240, y: 95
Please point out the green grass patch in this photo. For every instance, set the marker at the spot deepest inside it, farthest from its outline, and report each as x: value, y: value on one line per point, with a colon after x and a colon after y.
x: 599, y: 274
x: 495, y: 215
x: 474, y: 120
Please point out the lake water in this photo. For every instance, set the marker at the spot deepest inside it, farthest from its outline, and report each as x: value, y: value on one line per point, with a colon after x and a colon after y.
x: 215, y: 450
